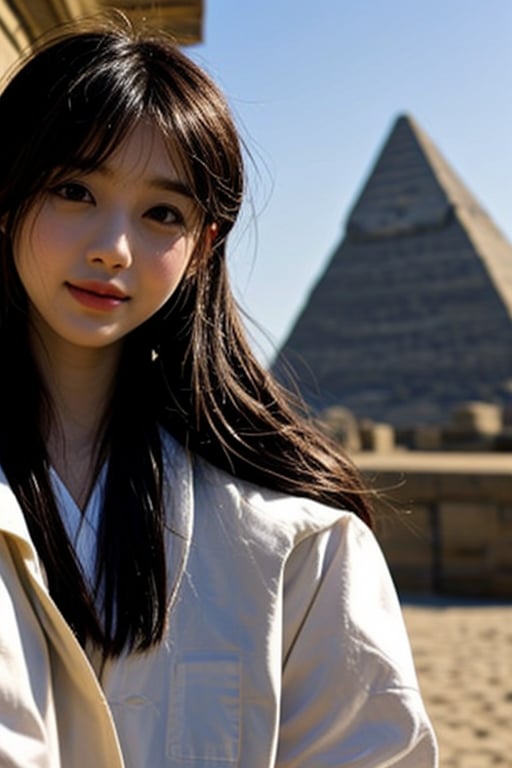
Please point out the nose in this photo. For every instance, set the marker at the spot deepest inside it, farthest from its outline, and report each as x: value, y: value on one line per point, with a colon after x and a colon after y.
x: 111, y: 247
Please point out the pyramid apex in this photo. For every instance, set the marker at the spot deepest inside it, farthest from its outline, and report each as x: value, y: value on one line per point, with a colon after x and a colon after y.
x: 411, y: 186
x: 404, y: 117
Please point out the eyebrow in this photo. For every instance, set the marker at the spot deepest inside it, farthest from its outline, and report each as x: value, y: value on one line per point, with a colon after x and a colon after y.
x: 171, y: 185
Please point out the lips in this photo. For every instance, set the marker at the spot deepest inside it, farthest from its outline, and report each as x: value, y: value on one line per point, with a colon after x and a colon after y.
x: 97, y: 296
x: 102, y: 290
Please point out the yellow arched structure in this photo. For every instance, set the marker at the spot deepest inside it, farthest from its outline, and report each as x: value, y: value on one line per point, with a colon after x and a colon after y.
x: 23, y: 21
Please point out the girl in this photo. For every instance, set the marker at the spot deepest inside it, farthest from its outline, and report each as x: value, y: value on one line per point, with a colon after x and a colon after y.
x: 187, y: 571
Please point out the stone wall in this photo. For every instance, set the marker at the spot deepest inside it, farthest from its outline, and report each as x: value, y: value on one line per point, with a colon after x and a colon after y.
x: 444, y: 520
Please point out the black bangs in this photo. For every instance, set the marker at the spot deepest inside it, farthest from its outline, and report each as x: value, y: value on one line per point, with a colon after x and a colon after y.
x: 75, y: 100
x: 83, y: 102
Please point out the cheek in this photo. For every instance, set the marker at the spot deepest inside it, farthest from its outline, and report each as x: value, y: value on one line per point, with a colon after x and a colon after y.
x: 39, y: 252
x: 29, y: 255
x: 169, y: 267
x: 38, y: 244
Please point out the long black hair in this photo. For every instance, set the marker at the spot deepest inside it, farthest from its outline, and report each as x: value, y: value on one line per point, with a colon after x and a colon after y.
x: 189, y: 369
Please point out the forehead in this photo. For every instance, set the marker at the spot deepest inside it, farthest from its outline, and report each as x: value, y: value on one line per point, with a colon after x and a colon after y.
x: 145, y: 153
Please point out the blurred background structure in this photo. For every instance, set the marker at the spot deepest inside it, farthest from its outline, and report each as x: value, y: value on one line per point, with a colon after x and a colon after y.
x: 405, y: 345
x: 24, y: 21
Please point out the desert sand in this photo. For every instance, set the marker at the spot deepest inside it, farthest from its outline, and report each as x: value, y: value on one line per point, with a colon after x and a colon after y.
x: 463, y: 655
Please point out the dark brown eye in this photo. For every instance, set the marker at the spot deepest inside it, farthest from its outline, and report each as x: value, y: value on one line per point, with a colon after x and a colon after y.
x: 165, y: 214
x: 73, y: 191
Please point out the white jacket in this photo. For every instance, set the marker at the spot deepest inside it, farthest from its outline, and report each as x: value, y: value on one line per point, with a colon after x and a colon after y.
x: 285, y: 647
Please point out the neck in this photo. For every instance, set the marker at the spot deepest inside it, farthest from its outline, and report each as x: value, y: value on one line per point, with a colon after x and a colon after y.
x: 79, y: 383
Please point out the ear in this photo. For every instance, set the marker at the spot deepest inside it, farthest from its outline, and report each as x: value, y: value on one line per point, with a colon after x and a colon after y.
x: 211, y: 234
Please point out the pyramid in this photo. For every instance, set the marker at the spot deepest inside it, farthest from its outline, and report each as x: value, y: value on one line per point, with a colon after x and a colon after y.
x: 413, y: 314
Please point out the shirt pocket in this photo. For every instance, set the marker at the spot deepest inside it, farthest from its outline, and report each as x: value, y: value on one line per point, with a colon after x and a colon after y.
x: 204, y: 713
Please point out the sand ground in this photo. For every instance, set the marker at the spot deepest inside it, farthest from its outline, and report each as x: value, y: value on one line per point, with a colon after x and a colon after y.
x: 463, y: 655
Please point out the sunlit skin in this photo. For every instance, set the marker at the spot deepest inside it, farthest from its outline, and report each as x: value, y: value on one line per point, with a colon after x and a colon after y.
x: 103, y: 251
x: 98, y: 255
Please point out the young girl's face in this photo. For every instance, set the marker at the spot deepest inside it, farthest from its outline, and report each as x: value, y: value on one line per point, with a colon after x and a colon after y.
x: 102, y: 251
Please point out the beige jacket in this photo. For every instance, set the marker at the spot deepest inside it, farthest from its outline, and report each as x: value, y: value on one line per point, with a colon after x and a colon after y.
x: 285, y: 647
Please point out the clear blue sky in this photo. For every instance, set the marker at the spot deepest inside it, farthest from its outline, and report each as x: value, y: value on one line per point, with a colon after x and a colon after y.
x: 315, y: 87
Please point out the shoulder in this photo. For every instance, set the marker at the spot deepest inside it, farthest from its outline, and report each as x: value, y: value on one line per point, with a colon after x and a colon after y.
x: 12, y: 520
x: 248, y: 506
x: 264, y: 525
x: 264, y: 514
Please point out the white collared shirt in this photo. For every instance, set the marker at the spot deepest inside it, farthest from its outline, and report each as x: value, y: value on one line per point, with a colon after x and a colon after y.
x: 81, y: 527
